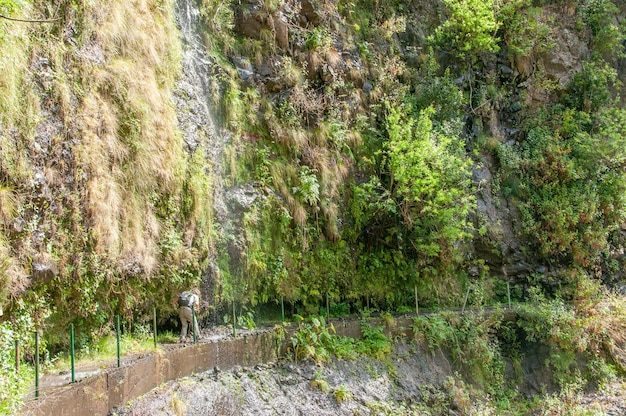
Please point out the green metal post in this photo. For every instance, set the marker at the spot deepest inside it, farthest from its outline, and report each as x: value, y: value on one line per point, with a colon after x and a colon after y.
x: 193, y: 324
x: 17, y: 356
x: 282, y: 309
x: 72, y: 351
x: 117, y: 334
x: 36, y: 364
x: 154, y: 325
x: 234, y: 322
x: 327, y: 307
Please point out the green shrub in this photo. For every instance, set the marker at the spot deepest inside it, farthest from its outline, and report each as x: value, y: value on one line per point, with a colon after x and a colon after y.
x: 470, y: 28
x: 374, y: 342
x: 13, y: 385
x: 589, y: 330
x: 600, y: 17
x: 342, y: 394
x: 316, y: 341
x: 469, y: 338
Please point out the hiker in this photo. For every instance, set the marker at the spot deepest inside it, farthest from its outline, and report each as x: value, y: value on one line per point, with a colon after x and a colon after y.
x: 184, y: 303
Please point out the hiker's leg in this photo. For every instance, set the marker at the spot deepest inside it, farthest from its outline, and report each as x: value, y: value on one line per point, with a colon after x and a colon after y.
x: 184, y: 322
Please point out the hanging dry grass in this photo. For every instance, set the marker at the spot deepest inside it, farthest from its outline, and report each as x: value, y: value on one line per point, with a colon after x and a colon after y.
x: 333, y: 58
x: 13, y: 64
x: 8, y: 204
x: 287, y: 133
x: 282, y: 178
x: 129, y: 28
x: 332, y: 170
x: 604, y: 323
x: 139, y: 250
x: 331, y: 212
x: 101, y: 154
x: 131, y: 150
x: 13, y: 279
x: 308, y: 105
x: 320, y: 135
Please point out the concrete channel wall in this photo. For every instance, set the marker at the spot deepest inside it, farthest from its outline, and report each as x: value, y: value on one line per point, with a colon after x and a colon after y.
x: 99, y: 394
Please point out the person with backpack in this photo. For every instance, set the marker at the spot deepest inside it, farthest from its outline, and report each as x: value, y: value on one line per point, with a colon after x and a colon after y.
x: 185, y: 302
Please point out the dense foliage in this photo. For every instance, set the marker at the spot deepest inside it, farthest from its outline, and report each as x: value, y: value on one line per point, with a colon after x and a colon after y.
x: 390, y: 155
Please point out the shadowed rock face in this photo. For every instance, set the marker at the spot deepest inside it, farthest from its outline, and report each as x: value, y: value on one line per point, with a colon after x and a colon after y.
x: 413, y: 378
x: 292, y: 389
x: 502, y: 248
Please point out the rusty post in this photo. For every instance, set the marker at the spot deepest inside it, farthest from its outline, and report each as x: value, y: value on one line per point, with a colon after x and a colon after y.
x: 36, y: 364
x: 17, y: 356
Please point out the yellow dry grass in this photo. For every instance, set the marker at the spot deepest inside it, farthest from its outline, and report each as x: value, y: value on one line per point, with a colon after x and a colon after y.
x: 354, y: 139
x: 604, y: 322
x: 18, y: 102
x: 13, y: 278
x: 333, y: 58
x: 331, y: 211
x: 332, y: 169
x: 139, y: 253
x: 290, y: 136
x: 282, y: 177
x: 102, y: 153
x: 13, y: 63
x: 8, y: 204
x: 131, y: 150
x: 179, y: 407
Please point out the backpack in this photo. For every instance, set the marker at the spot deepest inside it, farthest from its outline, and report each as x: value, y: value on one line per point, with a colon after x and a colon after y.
x: 184, y: 299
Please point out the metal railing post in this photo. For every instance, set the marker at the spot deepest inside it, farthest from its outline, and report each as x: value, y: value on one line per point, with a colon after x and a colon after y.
x: 117, y: 335
x: 72, y: 351
x: 154, y: 324
x: 234, y: 322
x: 17, y: 356
x: 36, y: 364
x: 282, y: 310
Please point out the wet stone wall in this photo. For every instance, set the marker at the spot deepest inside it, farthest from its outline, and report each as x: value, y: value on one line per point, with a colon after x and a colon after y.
x: 114, y: 387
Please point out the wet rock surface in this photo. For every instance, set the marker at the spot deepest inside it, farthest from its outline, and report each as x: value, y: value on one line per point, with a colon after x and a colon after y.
x: 288, y: 388
x: 412, y: 381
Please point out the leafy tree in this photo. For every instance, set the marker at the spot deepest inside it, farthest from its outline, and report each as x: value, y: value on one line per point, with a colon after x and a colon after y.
x: 470, y: 29
x: 607, y: 36
x: 571, y: 171
x: 430, y: 178
x: 589, y: 89
x: 521, y: 28
x: 412, y: 213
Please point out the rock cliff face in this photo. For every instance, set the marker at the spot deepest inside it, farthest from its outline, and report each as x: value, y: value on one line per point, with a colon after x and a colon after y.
x: 533, y: 80
x: 413, y: 381
x: 152, y: 145
x: 342, y: 388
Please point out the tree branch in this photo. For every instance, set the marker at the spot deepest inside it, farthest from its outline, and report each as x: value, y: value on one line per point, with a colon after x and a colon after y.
x: 13, y: 19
